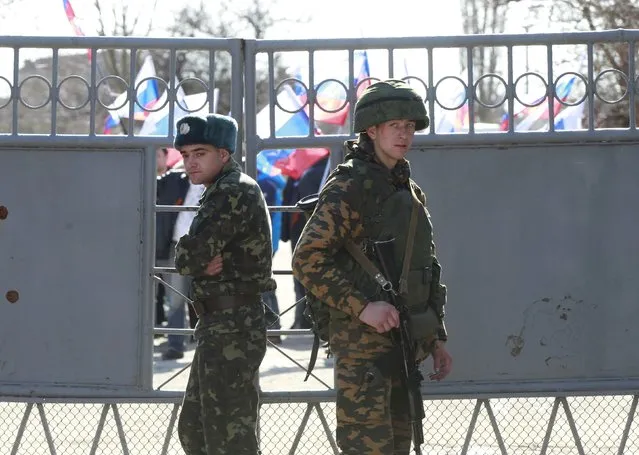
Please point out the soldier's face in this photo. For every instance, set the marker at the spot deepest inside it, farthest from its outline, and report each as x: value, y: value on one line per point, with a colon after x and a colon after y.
x: 392, y: 140
x: 203, y: 162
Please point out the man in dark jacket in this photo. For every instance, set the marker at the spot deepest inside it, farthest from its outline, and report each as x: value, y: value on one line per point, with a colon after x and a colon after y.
x: 174, y: 188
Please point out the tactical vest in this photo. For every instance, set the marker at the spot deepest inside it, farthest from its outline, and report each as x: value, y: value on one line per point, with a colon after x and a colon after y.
x: 386, y: 213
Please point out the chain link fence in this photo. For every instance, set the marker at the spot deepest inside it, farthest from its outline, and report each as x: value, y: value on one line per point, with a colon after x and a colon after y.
x: 599, y: 425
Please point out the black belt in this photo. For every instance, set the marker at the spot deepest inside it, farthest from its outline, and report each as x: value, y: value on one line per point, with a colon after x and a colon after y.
x: 223, y: 302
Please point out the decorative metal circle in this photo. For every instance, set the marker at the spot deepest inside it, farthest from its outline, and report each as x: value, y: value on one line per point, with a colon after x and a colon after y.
x: 4, y: 212
x: 372, y: 80
x: 344, y: 87
x: 86, y: 84
x: 476, y: 85
x: 47, y: 99
x: 583, y: 79
x: 105, y: 80
x: 12, y: 296
x: 463, y: 85
x: 180, y: 86
x: 293, y: 81
x: 407, y: 79
x: 541, y: 99
x: 136, y: 99
x: 611, y: 70
x: 2, y: 78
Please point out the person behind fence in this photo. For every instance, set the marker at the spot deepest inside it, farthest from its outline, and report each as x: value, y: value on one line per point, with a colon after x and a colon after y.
x: 369, y: 201
x: 228, y: 254
x: 174, y: 188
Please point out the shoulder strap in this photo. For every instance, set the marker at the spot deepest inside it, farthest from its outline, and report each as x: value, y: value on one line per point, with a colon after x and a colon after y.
x: 368, y: 266
x: 408, y: 252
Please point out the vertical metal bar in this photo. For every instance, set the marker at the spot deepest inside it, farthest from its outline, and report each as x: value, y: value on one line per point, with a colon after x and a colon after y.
x: 552, y: 92
x: 311, y: 87
x: 45, y: 426
x: 148, y: 286
x: 118, y: 425
x: 573, y: 427
x: 211, y: 94
x: 591, y: 88
x: 470, y: 90
x: 15, y: 90
x: 253, y: 142
x: 98, y: 430
x: 23, y: 424
x: 237, y: 90
x: 301, y: 428
x: 133, y: 95
x: 626, y: 430
x: 430, y: 93
x: 510, y: 92
x: 273, y: 97
x: 351, y: 90
x: 171, y: 92
x: 391, y: 63
x: 55, y: 92
x: 471, y: 427
x: 493, y: 423
x: 93, y: 93
x: 327, y: 429
x: 169, y: 430
x: 632, y: 85
x: 551, y: 424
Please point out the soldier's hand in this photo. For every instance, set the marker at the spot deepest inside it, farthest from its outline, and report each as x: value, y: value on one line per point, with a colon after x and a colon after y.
x: 215, y: 266
x: 380, y: 315
x: 442, y: 362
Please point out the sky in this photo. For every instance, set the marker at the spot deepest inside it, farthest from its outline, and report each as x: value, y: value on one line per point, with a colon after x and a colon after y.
x: 334, y: 19
x: 326, y: 19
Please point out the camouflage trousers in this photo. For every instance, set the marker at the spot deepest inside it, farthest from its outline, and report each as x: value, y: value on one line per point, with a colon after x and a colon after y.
x: 372, y: 406
x: 220, y: 407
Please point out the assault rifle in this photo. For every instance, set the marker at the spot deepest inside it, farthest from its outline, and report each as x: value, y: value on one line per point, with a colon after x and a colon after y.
x: 411, y: 377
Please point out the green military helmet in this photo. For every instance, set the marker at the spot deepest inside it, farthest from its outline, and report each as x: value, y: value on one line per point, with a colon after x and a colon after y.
x: 391, y: 99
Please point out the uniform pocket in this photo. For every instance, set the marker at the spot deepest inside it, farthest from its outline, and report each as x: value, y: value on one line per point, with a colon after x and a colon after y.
x: 363, y: 393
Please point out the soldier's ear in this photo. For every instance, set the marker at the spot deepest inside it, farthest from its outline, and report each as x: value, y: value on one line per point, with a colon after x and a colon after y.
x: 372, y: 132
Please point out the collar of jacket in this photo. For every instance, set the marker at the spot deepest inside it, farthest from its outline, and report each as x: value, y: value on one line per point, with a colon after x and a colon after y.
x: 230, y: 167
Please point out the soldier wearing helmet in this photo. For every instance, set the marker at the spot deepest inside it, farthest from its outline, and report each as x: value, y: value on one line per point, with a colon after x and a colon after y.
x: 369, y: 198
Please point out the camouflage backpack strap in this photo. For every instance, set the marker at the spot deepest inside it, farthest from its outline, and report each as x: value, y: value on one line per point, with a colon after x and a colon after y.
x: 410, y: 239
x: 307, y: 205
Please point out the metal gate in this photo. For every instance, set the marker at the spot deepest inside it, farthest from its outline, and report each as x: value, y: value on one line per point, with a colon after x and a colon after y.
x: 535, y: 231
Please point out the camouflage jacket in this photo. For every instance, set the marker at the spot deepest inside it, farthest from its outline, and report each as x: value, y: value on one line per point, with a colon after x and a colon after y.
x: 232, y: 220
x: 348, y: 208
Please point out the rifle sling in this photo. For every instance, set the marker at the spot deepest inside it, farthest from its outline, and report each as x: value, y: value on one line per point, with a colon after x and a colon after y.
x: 368, y: 265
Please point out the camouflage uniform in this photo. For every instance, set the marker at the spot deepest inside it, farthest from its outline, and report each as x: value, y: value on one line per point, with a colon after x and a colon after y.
x: 364, y: 201
x: 220, y: 406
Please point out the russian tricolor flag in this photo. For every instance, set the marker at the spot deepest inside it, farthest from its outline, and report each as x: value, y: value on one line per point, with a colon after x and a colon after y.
x: 73, y: 20
x: 147, y: 95
x: 532, y: 118
x: 287, y: 162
